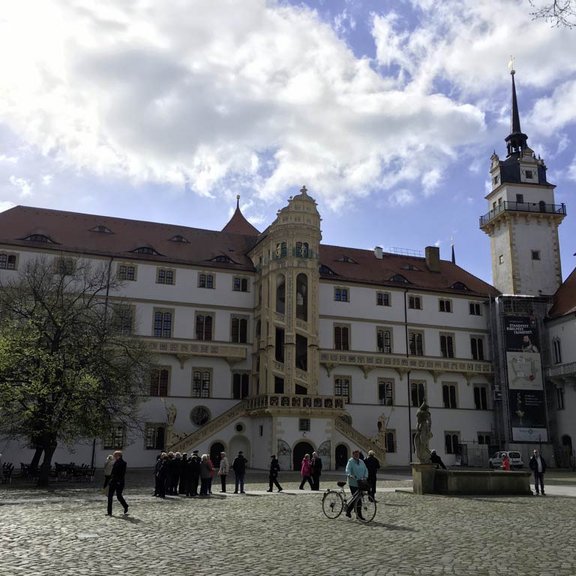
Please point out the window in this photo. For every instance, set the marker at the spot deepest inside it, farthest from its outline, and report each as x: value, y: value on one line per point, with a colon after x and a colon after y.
x: 239, y: 329
x: 201, y: 382
x: 384, y: 340
x: 115, y: 438
x: 7, y: 261
x: 501, y: 259
x: 475, y: 309
x: 301, y: 352
x: 477, y: 347
x: 417, y: 393
x: 281, y: 250
x: 302, y: 249
x: 390, y: 441
x: 341, y: 295
x: 155, y: 435
x: 484, y: 438
x: 146, y: 250
x: 278, y: 385
x: 205, y: 280
x: 165, y: 276
x: 204, y: 326
x: 279, y: 348
x: 341, y: 337
x: 123, y: 319
x: 415, y: 302
x: 520, y: 197
x: 342, y: 387
x: 383, y: 299
x: 280, y: 294
x: 416, y: 343
x: 557, y: 349
x: 529, y: 174
x: 560, y: 398
x: 449, y: 395
x: 535, y: 254
x: 386, y: 392
x: 452, y: 442
x: 304, y: 424
x: 163, y: 323
x: 159, y: 381
x: 445, y: 305
x: 302, y: 297
x: 64, y: 266
x: 240, y: 284
x: 447, y: 345
x: 240, y: 385
x: 481, y: 397
x: 126, y: 272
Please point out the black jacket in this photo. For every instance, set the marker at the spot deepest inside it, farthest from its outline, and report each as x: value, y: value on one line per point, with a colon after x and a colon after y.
x: 534, y: 464
x: 118, y: 472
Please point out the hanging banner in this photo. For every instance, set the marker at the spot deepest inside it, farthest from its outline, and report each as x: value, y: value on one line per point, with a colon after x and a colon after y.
x: 525, y: 383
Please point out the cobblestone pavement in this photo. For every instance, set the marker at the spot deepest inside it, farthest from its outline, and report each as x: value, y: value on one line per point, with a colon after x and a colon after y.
x: 65, y: 531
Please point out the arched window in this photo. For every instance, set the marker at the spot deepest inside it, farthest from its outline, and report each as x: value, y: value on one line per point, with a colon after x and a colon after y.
x: 302, y: 297
x: 281, y: 294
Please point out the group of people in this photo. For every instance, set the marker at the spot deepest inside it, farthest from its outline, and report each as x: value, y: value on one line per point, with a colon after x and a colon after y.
x: 176, y: 473
x: 310, y: 471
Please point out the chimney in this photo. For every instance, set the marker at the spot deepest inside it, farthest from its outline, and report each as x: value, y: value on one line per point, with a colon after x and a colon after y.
x: 378, y: 252
x: 433, y: 258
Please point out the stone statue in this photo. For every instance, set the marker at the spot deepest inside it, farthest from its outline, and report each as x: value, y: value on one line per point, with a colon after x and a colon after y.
x: 171, y: 415
x: 423, y: 434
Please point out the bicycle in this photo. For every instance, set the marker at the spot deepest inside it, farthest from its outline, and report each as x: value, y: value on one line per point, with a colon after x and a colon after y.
x: 334, y: 501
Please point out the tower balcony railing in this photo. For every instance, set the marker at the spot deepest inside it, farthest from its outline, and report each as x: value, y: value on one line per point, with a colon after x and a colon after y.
x: 291, y: 402
x: 533, y: 207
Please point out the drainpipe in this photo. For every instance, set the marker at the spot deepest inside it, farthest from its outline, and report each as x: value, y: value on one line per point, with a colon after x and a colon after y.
x: 408, y: 379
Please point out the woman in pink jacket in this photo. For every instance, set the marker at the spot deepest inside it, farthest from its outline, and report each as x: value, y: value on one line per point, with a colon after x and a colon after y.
x: 306, y: 472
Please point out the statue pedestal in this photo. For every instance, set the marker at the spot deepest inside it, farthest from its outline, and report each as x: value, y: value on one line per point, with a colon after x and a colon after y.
x: 423, y: 478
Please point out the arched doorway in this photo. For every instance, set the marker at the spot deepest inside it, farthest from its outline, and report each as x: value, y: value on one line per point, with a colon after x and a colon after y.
x: 298, y: 453
x: 215, y: 450
x: 341, y: 456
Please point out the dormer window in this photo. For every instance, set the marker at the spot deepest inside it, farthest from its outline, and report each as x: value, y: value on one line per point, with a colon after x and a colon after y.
x: 146, y: 250
x: 459, y: 286
x: 399, y: 278
x: 223, y: 259
x: 40, y: 238
x: 101, y: 229
x: 410, y: 267
x: 180, y: 239
x: 325, y: 271
x: 346, y: 259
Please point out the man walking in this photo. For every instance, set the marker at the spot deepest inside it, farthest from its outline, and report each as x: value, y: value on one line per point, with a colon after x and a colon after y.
x: 116, y: 485
x: 239, y: 467
x: 373, y: 465
x: 316, y: 471
x: 538, y: 466
x: 273, y: 474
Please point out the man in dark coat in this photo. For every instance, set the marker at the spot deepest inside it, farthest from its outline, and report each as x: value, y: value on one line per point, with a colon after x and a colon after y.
x: 117, y: 479
x: 239, y: 467
x: 436, y: 460
x: 273, y: 475
x: 194, y: 471
x: 373, y: 465
x: 538, y: 466
x: 316, y: 471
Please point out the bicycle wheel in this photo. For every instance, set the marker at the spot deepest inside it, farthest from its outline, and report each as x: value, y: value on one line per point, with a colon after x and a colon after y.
x: 332, y: 504
x: 368, y: 508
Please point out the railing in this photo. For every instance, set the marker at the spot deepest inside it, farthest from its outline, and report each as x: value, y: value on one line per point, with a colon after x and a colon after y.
x: 399, y: 361
x: 203, y: 348
x: 562, y: 371
x: 359, y: 439
x: 207, y: 430
x: 507, y: 206
x: 289, y: 402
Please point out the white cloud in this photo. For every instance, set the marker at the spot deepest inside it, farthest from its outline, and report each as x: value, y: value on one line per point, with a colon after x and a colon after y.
x: 24, y: 186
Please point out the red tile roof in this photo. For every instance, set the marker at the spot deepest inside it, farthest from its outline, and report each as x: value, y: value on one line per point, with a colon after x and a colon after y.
x: 565, y: 298
x: 118, y: 237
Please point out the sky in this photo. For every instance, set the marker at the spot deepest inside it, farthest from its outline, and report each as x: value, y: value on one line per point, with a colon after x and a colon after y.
x: 386, y: 110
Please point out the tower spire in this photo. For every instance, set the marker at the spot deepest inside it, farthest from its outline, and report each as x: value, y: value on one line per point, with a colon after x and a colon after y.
x: 516, y: 141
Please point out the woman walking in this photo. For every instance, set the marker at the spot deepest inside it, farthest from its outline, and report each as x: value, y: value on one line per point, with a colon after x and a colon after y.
x: 306, y: 472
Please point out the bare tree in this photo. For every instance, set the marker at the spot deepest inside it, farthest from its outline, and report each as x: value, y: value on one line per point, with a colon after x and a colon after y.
x: 66, y: 371
x: 557, y: 12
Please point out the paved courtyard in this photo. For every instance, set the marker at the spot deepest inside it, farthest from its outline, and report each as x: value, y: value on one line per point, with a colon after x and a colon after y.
x: 65, y: 531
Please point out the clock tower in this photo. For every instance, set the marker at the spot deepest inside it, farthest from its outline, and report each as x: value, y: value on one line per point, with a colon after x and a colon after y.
x: 523, y: 219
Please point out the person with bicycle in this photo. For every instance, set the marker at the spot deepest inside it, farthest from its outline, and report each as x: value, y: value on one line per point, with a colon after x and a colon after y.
x: 355, y: 471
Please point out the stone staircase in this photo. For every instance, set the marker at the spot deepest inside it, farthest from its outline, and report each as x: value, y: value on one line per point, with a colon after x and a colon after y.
x: 359, y: 440
x: 191, y: 441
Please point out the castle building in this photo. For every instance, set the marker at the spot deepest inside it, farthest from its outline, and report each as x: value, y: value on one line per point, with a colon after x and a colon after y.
x: 272, y: 342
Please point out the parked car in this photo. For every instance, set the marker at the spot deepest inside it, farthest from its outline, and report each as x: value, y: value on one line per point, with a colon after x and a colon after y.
x: 515, y: 459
